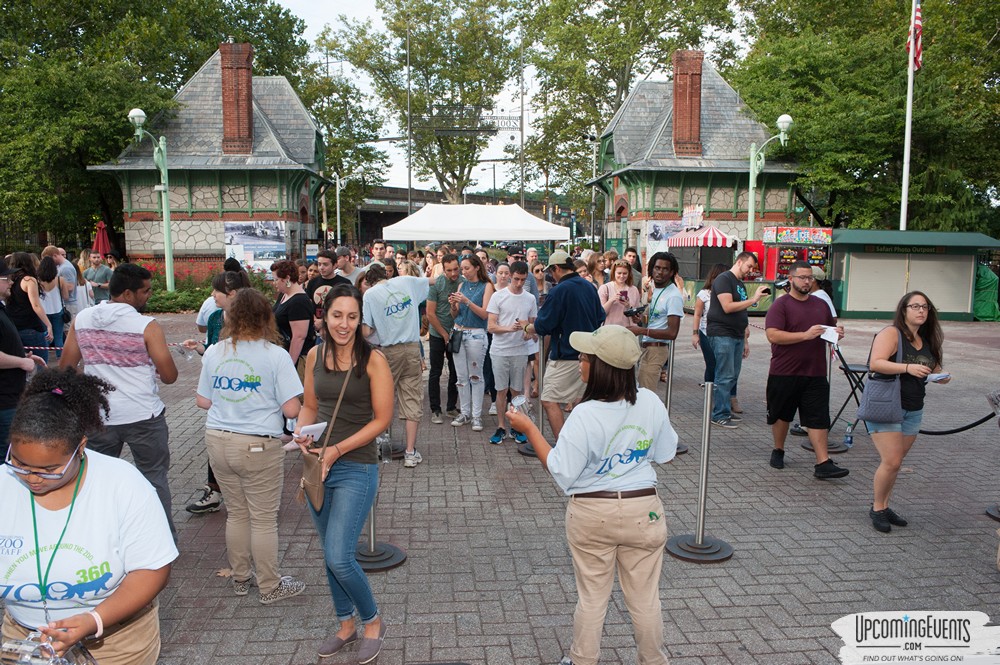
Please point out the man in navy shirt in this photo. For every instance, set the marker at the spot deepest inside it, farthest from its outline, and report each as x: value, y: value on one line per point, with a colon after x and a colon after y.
x: 570, y: 306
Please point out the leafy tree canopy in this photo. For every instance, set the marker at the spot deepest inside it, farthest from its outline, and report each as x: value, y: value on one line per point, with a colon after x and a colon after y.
x: 839, y: 69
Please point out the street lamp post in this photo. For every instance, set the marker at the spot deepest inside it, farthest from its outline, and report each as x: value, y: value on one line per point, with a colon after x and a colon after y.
x: 138, y: 118
x: 757, y: 165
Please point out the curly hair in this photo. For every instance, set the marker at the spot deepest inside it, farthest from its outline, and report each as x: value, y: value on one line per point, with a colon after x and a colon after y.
x: 250, y: 318
x: 59, y: 407
x: 286, y: 270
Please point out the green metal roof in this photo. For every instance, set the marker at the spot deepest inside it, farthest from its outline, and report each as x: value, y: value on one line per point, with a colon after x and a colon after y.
x: 914, y: 238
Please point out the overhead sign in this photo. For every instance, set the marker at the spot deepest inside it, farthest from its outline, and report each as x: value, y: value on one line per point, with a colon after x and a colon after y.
x: 797, y: 235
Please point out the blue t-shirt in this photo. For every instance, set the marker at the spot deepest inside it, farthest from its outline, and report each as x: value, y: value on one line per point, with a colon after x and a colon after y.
x: 247, y: 383
x: 391, y: 308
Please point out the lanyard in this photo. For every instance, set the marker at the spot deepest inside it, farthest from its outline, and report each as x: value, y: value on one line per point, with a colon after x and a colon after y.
x: 43, y: 581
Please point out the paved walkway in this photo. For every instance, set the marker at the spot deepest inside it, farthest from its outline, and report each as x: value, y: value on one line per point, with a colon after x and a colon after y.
x: 489, y: 578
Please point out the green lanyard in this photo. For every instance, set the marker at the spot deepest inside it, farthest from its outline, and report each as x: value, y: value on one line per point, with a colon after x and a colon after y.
x: 43, y: 581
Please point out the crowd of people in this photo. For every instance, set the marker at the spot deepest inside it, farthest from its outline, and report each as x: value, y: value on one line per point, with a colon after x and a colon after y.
x: 341, y: 346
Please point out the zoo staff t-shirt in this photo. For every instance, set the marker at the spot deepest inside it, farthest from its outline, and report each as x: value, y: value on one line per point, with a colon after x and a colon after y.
x: 247, y: 383
x: 609, y: 445
x: 118, y: 526
x: 391, y: 309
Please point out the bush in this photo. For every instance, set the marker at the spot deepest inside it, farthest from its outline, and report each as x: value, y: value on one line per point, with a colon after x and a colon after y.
x: 188, y: 300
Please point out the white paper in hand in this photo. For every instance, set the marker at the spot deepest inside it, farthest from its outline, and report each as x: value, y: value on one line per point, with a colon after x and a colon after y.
x: 315, y: 431
x: 934, y: 378
x: 830, y: 334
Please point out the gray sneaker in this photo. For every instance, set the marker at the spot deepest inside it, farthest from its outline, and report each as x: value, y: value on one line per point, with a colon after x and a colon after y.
x: 370, y: 647
x: 410, y: 460
x: 210, y: 502
x: 477, y: 424
x: 452, y: 413
x: 287, y: 587
x: 462, y: 419
x: 437, y: 418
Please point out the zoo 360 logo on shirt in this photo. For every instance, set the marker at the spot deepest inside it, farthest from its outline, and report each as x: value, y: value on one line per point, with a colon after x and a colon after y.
x: 396, y: 304
x: 918, y: 637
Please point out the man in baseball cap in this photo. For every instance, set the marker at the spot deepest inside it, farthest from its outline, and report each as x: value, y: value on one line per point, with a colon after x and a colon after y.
x: 516, y: 253
x: 572, y: 305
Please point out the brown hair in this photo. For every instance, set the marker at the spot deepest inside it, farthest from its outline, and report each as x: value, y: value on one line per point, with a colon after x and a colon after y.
x: 622, y: 263
x: 607, y: 383
x: 250, y: 318
x: 286, y: 270
x: 230, y: 280
x: 930, y: 331
x: 361, y: 350
x: 478, y: 265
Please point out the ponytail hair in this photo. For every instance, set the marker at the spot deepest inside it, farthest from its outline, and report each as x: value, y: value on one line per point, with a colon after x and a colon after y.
x: 60, y: 407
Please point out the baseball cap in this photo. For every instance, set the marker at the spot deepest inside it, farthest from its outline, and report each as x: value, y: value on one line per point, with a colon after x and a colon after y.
x: 343, y: 251
x: 5, y: 269
x: 819, y: 273
x: 613, y: 344
x: 515, y: 250
x: 561, y: 259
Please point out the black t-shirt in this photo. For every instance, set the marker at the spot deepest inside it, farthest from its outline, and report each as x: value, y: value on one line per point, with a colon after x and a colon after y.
x: 911, y: 389
x: 721, y: 324
x: 317, y: 288
x: 296, y: 308
x: 12, y: 380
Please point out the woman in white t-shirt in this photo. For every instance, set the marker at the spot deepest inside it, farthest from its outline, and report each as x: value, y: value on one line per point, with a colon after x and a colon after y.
x: 249, y: 386
x: 614, y: 519
x: 89, y: 544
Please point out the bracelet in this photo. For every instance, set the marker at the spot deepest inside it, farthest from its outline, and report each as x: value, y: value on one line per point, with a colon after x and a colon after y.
x: 907, y: 369
x: 100, y: 623
x: 339, y: 454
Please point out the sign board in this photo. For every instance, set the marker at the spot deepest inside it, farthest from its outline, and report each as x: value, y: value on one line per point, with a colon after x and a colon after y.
x: 694, y: 217
x: 798, y: 235
x: 261, y: 243
x: 904, y: 249
x: 312, y: 249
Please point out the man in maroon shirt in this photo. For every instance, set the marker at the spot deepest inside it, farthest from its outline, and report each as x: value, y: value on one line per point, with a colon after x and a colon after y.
x: 796, y: 380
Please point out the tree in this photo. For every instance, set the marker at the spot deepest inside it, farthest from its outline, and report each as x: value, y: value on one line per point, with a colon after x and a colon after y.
x: 71, y: 70
x: 461, y: 55
x: 587, y: 56
x: 350, y: 129
x: 840, y: 71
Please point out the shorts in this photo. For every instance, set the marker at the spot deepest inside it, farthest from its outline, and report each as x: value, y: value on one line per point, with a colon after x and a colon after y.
x: 561, y: 382
x: 508, y: 372
x: 407, y: 375
x: 809, y: 395
x: 909, y: 427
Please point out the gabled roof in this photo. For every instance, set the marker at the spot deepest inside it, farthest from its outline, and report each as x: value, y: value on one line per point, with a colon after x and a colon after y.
x: 642, y: 129
x: 284, y: 134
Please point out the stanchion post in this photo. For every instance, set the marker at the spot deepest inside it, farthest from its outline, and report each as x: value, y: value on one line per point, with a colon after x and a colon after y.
x: 681, y: 448
x: 526, y: 448
x: 374, y: 556
x: 697, y: 547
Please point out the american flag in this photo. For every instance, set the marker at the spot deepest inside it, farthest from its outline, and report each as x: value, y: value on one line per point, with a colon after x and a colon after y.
x: 915, y: 38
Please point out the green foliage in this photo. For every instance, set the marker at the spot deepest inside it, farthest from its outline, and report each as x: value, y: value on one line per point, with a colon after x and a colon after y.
x: 186, y: 300
x: 71, y: 70
x: 461, y: 56
x: 839, y: 69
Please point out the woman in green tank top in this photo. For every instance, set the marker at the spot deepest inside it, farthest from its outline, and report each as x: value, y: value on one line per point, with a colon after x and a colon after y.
x: 350, y: 460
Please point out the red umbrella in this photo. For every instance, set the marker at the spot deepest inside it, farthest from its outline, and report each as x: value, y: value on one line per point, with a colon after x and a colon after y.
x: 101, y: 242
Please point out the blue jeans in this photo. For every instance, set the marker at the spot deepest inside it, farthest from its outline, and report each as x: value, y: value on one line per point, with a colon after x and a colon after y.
x: 728, y: 362
x: 709, y: 355
x: 57, y: 332
x: 37, y: 338
x: 350, y: 492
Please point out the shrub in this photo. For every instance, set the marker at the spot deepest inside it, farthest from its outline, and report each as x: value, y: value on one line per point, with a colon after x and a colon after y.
x: 187, y: 300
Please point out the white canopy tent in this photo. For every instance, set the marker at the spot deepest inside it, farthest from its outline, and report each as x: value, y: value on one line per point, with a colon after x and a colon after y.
x: 473, y: 222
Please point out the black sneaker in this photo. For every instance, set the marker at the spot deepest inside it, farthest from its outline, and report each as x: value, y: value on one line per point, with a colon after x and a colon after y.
x: 893, y: 518
x: 778, y: 459
x: 880, y: 520
x: 828, y: 470
x: 725, y: 422
x: 735, y: 418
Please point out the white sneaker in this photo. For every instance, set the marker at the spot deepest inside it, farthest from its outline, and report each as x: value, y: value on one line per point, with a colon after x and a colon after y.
x: 477, y: 424
x: 410, y: 460
x: 461, y: 420
x: 493, y: 409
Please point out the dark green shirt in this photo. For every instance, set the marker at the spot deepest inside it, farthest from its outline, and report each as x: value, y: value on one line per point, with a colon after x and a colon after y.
x: 437, y: 297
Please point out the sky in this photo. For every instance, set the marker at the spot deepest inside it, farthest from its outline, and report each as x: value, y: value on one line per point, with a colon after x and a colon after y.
x: 318, y: 14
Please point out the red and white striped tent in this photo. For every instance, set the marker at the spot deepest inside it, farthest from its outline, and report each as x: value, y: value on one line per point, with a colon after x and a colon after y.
x: 706, y: 236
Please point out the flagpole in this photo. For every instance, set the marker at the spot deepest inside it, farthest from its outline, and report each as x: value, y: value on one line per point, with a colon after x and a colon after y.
x: 909, y: 120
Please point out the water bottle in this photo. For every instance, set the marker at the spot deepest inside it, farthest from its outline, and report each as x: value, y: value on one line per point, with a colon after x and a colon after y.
x: 849, y: 436
x: 384, y: 443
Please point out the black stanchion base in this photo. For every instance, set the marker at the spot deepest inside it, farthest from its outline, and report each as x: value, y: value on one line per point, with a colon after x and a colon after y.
x: 526, y: 449
x: 681, y: 449
x: 711, y: 550
x: 832, y: 447
x: 385, y: 557
x: 994, y: 511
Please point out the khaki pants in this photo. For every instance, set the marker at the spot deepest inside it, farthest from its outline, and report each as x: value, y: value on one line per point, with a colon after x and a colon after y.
x: 651, y: 364
x: 133, y: 642
x: 604, y: 534
x: 404, y: 363
x: 249, y: 470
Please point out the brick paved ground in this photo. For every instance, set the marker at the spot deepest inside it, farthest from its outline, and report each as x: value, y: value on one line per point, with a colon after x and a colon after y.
x: 489, y: 578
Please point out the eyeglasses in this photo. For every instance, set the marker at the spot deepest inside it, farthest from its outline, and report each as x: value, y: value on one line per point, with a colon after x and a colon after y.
x: 805, y: 278
x: 917, y: 307
x: 44, y: 475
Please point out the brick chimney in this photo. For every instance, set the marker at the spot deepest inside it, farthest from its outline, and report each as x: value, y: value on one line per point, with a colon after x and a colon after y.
x: 237, y: 98
x: 687, y: 103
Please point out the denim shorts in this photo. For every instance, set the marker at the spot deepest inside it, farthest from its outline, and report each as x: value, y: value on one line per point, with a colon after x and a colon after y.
x: 909, y: 427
